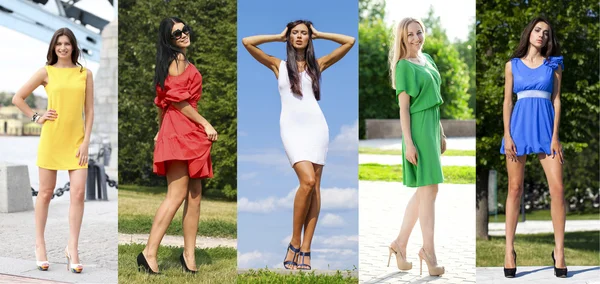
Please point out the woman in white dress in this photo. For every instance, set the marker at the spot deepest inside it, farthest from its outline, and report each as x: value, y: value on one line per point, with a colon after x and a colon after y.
x: 304, y: 131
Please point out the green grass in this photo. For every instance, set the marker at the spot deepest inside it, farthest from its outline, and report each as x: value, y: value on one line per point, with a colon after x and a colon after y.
x: 138, y: 204
x: 376, y: 151
x: 544, y: 215
x: 377, y: 172
x: 267, y: 276
x: 215, y: 265
x: 581, y: 248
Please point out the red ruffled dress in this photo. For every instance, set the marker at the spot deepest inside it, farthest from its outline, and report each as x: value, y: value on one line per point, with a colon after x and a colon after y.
x: 179, y: 138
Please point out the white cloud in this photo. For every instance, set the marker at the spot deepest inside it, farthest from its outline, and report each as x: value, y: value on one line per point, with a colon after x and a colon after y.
x: 331, y: 199
x: 254, y: 259
x: 332, y: 220
x: 346, y: 140
x: 339, y: 198
x: 260, y: 206
x: 336, y: 252
x: 247, y: 176
x: 267, y: 157
x: 341, y: 241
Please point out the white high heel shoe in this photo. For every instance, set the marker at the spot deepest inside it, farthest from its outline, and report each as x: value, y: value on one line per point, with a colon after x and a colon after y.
x: 76, y: 267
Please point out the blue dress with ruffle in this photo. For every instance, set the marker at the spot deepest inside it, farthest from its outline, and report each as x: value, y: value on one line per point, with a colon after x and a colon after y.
x: 532, y: 119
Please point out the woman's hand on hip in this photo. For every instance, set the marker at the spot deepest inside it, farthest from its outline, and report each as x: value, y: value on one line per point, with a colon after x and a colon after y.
x: 411, y: 154
x: 82, y: 154
x: 211, y: 132
x: 510, y: 150
x: 556, y: 148
x: 48, y: 115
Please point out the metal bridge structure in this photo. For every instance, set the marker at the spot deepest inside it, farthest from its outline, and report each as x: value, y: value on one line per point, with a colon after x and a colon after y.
x: 35, y: 19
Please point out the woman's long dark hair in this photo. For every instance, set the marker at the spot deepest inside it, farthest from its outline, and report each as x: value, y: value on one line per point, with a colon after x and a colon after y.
x: 311, y: 68
x: 550, y: 49
x: 166, y: 51
x: 52, y: 58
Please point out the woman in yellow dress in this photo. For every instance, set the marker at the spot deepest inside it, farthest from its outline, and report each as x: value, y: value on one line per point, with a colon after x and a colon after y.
x: 65, y: 137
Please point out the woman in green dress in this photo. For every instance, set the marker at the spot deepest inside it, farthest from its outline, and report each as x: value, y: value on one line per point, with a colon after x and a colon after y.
x: 417, y: 82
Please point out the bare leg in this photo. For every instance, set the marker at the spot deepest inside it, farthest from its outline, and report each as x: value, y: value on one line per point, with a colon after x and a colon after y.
x: 313, y: 213
x: 42, y: 201
x: 411, y: 215
x: 516, y: 173
x: 191, y: 216
x: 77, y: 179
x: 553, y: 171
x: 306, y: 177
x: 427, y: 195
x: 177, y: 180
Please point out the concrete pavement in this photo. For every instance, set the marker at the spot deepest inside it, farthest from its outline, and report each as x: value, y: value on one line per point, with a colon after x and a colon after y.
x: 455, y: 143
x: 381, y: 208
x: 397, y: 160
x: 97, y: 243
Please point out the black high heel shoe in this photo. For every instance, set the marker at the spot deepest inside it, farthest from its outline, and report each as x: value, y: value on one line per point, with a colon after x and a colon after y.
x: 185, y: 268
x: 558, y: 272
x: 143, y: 264
x: 510, y: 272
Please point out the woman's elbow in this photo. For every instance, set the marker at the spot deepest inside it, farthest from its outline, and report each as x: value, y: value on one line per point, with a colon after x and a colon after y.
x: 16, y: 99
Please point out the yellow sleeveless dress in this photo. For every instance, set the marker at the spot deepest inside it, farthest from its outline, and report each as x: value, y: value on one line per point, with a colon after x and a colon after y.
x: 60, y: 139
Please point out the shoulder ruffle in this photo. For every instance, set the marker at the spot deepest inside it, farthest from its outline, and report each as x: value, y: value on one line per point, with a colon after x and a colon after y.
x: 554, y: 61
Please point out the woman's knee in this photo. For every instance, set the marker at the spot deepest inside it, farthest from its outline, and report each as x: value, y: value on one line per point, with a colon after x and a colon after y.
x: 515, y: 189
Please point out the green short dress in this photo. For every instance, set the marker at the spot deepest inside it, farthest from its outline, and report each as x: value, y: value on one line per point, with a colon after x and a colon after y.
x: 422, y: 84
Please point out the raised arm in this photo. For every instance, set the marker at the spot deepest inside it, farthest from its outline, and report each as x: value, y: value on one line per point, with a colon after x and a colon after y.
x: 251, y: 43
x: 176, y: 68
x: 346, y: 44
x: 556, y: 148
x: 510, y: 149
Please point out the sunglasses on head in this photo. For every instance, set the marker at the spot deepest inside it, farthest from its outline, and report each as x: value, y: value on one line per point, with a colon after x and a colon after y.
x: 177, y: 34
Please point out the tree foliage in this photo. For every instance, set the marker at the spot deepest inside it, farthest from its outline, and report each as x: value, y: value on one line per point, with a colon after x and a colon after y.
x: 213, y: 51
x: 499, y: 26
x: 376, y: 96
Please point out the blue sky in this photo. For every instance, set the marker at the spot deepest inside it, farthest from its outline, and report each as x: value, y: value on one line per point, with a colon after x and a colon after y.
x: 266, y: 181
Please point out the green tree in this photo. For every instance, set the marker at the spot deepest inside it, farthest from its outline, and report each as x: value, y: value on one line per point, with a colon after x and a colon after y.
x: 213, y: 51
x: 454, y: 73
x: 499, y: 26
x: 466, y: 50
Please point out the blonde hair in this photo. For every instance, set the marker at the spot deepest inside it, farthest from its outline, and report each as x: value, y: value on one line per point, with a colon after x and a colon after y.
x: 399, y: 50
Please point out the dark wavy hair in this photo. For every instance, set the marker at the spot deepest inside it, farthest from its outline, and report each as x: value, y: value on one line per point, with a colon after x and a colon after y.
x: 52, y: 58
x: 166, y: 51
x: 312, y: 67
x: 551, y: 48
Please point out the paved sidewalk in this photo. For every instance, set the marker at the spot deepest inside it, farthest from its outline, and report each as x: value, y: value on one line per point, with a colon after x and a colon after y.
x: 539, y: 274
x: 97, y: 243
x: 177, y: 241
x: 455, y: 143
x: 537, y: 227
x: 397, y: 160
x: 382, y: 206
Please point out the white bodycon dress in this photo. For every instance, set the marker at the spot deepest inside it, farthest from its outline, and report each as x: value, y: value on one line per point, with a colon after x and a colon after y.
x: 303, y: 127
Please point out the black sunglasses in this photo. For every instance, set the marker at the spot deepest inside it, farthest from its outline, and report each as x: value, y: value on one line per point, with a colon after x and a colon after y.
x: 177, y: 34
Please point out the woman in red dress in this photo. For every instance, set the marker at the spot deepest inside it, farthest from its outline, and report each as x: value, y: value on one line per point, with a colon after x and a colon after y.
x: 182, y: 144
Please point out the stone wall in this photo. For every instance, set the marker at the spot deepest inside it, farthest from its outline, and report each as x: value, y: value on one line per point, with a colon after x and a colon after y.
x: 390, y: 128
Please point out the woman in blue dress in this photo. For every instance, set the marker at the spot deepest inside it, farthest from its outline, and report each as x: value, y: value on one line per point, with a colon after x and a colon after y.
x: 534, y: 73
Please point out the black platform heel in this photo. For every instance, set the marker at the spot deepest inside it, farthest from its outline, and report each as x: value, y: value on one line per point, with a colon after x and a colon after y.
x: 558, y: 272
x: 185, y: 268
x: 143, y: 264
x: 511, y: 272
